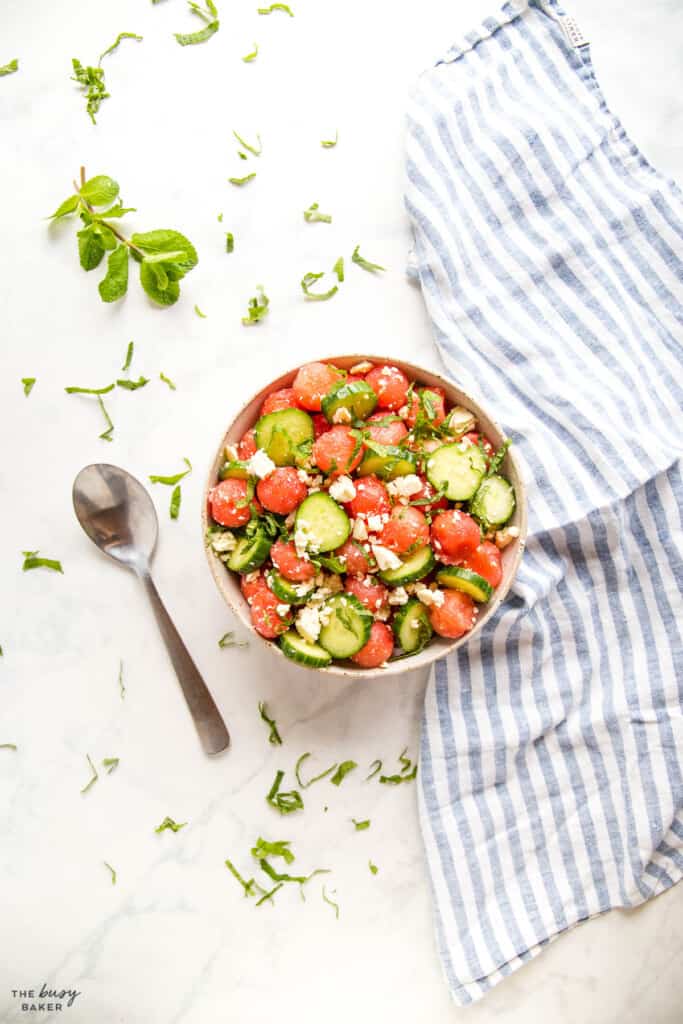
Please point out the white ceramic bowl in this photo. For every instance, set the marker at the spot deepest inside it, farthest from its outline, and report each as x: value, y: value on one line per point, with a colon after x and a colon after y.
x: 228, y: 582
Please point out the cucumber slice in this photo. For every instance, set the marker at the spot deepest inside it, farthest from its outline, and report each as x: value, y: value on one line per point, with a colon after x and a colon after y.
x: 249, y: 553
x: 303, y: 652
x: 284, y: 589
x: 393, y: 462
x: 412, y: 627
x: 357, y: 398
x: 458, y: 469
x: 494, y: 502
x: 348, y: 627
x: 284, y: 435
x: 233, y: 470
x: 323, y: 522
x: 469, y: 582
x: 414, y: 568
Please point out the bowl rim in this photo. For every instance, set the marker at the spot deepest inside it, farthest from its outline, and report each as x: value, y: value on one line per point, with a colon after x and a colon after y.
x: 439, y: 648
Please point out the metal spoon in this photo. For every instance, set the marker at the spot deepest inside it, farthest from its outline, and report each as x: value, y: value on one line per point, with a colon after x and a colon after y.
x: 117, y: 514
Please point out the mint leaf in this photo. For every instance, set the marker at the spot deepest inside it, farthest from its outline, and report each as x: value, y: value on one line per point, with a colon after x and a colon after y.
x: 228, y: 640
x: 117, y: 210
x: 376, y: 766
x: 244, y: 180
x: 91, y: 81
x: 229, y: 241
x: 8, y: 746
x: 171, y: 481
x: 28, y: 383
x: 251, y: 56
x: 338, y: 269
x: 111, y: 869
x: 361, y: 826
x: 114, y: 284
x: 252, y: 149
x: 157, y: 285
x: 109, y: 430
x: 94, y: 777
x: 90, y: 247
x: 111, y: 764
x: 247, y: 886
x: 69, y: 205
x: 199, y: 312
x: 276, y: 7
x: 327, y: 899
x: 32, y: 561
x: 170, y: 246
x: 257, y: 308
x: 279, y: 848
x: 176, y: 497
x: 330, y: 143
x: 9, y: 69
x: 274, y: 736
x: 90, y: 391
x: 342, y: 771
x: 208, y: 15
x: 285, y: 803
x: 316, y: 778
x: 132, y: 385
x: 308, y: 280
x: 365, y: 264
x: 167, y: 380
x: 169, y: 823
x: 129, y: 356
x: 114, y: 45
x: 100, y: 190
x: 312, y: 215
x: 373, y: 867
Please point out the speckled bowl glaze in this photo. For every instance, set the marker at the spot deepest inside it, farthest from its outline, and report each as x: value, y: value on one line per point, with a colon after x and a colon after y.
x: 228, y: 582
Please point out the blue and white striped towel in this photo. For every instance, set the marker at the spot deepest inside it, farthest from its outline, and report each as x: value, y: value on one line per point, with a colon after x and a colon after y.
x: 550, y: 257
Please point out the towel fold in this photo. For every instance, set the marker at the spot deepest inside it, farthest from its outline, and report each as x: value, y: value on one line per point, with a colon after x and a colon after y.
x: 550, y: 256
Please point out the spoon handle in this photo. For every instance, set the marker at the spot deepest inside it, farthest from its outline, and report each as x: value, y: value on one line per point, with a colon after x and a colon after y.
x: 210, y: 727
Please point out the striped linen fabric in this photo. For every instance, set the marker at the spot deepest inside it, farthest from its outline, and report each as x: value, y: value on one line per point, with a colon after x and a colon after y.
x: 549, y: 253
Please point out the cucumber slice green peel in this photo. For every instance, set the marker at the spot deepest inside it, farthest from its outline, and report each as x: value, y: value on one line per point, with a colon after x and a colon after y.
x: 419, y: 565
x: 469, y: 582
x: 412, y: 627
x: 303, y: 652
x: 323, y: 522
x: 348, y: 625
x: 357, y: 398
x: 457, y: 470
x: 285, y: 435
x: 494, y: 501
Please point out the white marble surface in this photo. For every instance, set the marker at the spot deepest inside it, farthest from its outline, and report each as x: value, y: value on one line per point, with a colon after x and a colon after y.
x: 174, y: 941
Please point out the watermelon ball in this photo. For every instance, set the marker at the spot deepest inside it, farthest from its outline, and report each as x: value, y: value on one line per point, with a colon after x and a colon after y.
x: 455, y: 536
x: 321, y: 424
x: 265, y: 617
x: 391, y: 432
x: 455, y: 616
x: 312, y: 383
x: 281, y: 491
x: 372, y: 497
x: 247, y: 445
x: 406, y: 531
x: 251, y: 586
x: 356, y: 560
x: 337, y: 452
x: 368, y: 591
x: 283, y: 398
x: 390, y: 385
x: 377, y: 649
x: 486, y: 560
x: 229, y: 503
x: 285, y: 559
x: 435, y: 403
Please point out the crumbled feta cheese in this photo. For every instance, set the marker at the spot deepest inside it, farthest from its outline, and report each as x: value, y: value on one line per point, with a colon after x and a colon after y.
x: 398, y: 596
x: 360, y: 531
x: 303, y: 476
x: 260, y: 464
x: 430, y: 597
x: 282, y: 610
x: 343, y: 489
x: 405, y: 486
x: 385, y: 558
x: 362, y: 368
x: 322, y: 593
x: 325, y: 614
x: 506, y: 536
x: 308, y: 624
x: 301, y: 589
x: 403, y: 412
x: 342, y: 415
x: 382, y: 614
x: 223, y: 542
x: 302, y: 539
x: 231, y: 453
x: 376, y: 523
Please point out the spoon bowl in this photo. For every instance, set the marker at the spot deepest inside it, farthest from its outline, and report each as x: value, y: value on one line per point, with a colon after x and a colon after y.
x: 118, y: 515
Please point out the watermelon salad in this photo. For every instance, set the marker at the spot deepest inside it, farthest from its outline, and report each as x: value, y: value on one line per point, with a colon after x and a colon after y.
x: 363, y: 515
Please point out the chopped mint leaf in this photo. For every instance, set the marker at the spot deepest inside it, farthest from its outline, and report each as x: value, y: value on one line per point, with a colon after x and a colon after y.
x: 361, y: 826
x: 91, y: 81
x: 171, y: 481
x: 9, y: 69
x: 241, y: 155
x: 28, y: 383
x: 316, y: 778
x: 247, y: 886
x: 375, y: 767
x: 308, y: 280
x: 373, y: 867
x: 250, y: 149
x: 167, y: 380
x: 109, y: 430
x: 274, y: 736
x: 32, y: 561
x: 330, y: 143
x: 122, y: 688
x: 114, y: 284
x: 129, y: 357
x: 229, y: 241
x: 269, y: 895
x: 113, y: 872
x: 94, y: 776
x: 90, y: 391
x: 313, y: 216
x: 114, y: 45
x: 219, y: 218
x: 251, y: 56
x: 257, y: 308
x: 269, y: 870
x: 111, y: 764
x: 497, y: 457
x: 365, y: 264
x: 176, y: 498
x: 132, y: 385
x: 242, y: 181
x: 338, y: 269
x: 228, y: 640
x: 8, y: 746
x: 327, y: 899
x: 276, y: 7
x: 199, y: 312
x: 285, y: 803
x: 169, y: 823
x: 342, y: 771
x: 395, y: 780
x: 279, y: 848
x: 209, y: 15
